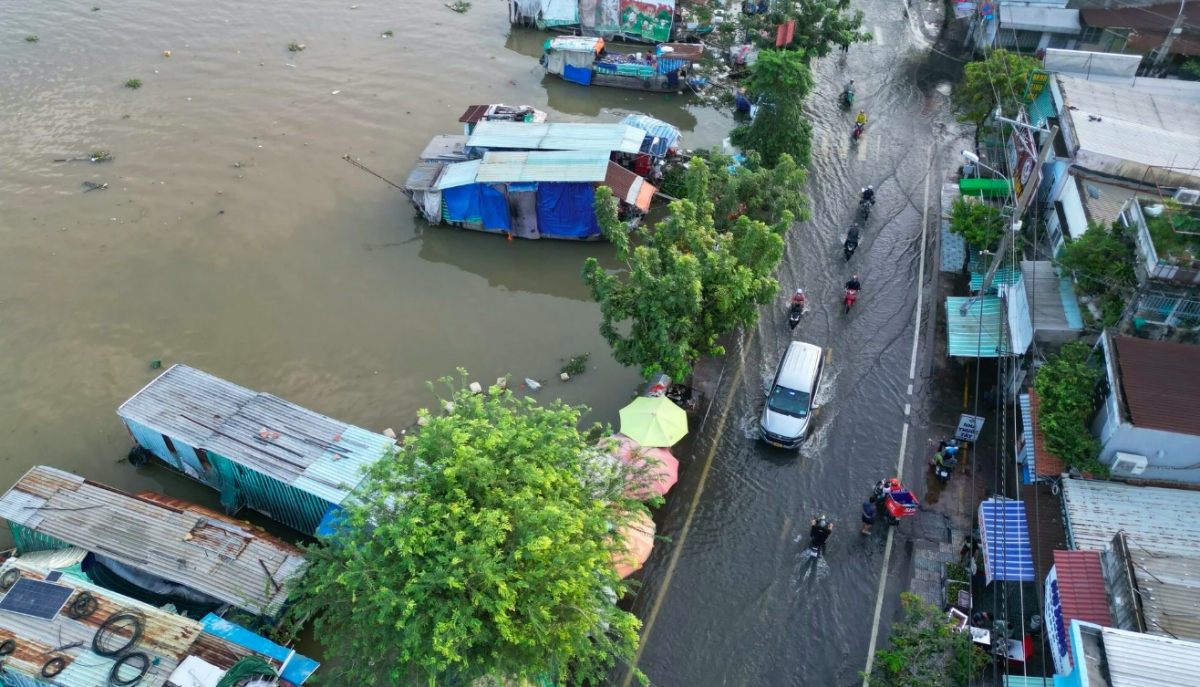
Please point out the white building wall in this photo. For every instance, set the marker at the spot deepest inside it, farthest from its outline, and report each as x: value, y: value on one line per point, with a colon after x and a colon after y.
x: 1163, y: 450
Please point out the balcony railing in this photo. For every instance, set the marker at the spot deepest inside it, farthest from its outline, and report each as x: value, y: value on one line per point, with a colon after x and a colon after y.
x: 1149, y: 264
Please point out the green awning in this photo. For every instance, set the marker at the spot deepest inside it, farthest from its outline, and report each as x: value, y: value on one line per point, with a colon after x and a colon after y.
x: 972, y: 336
x: 1004, y: 275
x: 990, y: 188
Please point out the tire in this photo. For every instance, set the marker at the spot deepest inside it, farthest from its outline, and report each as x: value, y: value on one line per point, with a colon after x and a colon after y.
x: 646, y: 84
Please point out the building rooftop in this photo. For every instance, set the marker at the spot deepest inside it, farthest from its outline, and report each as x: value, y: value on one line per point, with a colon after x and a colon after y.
x: 445, y: 147
x: 298, y: 447
x: 629, y: 187
x: 1161, y: 521
x: 1169, y: 591
x: 1081, y: 587
x: 223, y: 558
x: 1134, y: 659
x: 1159, y: 382
x: 557, y: 136
x: 549, y: 166
x: 1045, y: 464
x: 166, y: 639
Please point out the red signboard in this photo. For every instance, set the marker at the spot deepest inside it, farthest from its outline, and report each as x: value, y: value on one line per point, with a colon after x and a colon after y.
x: 785, y: 33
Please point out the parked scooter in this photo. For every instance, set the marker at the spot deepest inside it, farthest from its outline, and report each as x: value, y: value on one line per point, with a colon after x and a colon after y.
x: 943, y: 465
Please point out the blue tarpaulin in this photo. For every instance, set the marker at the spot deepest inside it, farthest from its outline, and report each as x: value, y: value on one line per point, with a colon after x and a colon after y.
x: 494, y: 207
x: 1005, y: 538
x: 298, y: 668
x: 463, y: 203
x: 565, y: 209
x: 577, y: 74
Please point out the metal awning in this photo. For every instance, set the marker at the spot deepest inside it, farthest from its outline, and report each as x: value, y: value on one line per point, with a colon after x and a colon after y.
x: 1049, y: 19
x: 980, y: 332
x: 1004, y: 534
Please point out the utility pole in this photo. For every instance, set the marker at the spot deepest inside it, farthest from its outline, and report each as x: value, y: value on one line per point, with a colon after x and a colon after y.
x: 1018, y: 211
x: 1176, y: 29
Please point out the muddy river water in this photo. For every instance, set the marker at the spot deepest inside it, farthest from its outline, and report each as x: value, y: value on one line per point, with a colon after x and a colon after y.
x: 233, y: 238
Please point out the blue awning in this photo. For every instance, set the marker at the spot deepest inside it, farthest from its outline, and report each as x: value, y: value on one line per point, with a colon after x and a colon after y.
x: 296, y: 668
x: 666, y: 134
x: 1004, y: 535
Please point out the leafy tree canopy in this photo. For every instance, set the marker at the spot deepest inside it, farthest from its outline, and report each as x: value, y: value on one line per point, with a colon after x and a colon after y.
x: 1065, y: 385
x: 688, y: 282
x: 999, y: 78
x: 782, y: 78
x: 821, y: 25
x: 763, y: 193
x: 483, y: 547
x: 1100, y: 260
x: 980, y: 223
x: 926, y: 651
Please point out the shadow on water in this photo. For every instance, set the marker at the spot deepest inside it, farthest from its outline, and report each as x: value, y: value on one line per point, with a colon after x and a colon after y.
x: 548, y: 266
x: 582, y: 100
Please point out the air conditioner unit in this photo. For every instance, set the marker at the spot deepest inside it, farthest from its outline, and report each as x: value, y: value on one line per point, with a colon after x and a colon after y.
x: 1186, y: 196
x: 1128, y: 465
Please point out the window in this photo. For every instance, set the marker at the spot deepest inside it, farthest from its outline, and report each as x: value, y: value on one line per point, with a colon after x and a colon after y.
x: 1091, y: 34
x: 170, y: 445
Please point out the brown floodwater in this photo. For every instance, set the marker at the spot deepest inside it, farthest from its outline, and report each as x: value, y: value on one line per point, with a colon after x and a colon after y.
x: 233, y: 238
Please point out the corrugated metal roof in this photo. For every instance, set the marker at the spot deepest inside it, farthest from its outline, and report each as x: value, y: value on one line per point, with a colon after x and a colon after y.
x: 1045, y: 463
x: 1004, y: 275
x: 457, y: 174
x: 1081, y: 587
x: 1141, y: 660
x: 474, y: 113
x: 566, y: 166
x: 557, y: 136
x: 446, y: 147
x: 167, y: 638
x: 1169, y: 591
x: 1161, y: 521
x: 423, y: 176
x: 1005, y: 538
x: 1051, y: 19
x: 299, y: 668
x: 1160, y: 383
x: 973, y: 336
x: 682, y: 51
x: 628, y: 186
x: 172, y: 539
x: 478, y: 113
x: 667, y: 134
x: 219, y: 416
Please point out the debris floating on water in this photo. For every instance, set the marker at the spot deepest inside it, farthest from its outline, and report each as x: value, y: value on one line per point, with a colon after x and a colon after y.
x: 532, y: 384
x: 459, y: 6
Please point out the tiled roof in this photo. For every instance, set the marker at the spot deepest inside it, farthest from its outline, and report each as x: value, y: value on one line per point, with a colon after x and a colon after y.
x: 1159, y: 383
x: 1081, y: 587
x: 1045, y: 464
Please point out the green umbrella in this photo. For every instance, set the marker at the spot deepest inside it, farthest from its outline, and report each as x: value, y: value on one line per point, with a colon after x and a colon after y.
x: 654, y: 421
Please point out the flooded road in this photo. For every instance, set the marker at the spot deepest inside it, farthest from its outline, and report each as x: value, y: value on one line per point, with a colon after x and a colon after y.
x: 231, y: 236
x: 744, y: 604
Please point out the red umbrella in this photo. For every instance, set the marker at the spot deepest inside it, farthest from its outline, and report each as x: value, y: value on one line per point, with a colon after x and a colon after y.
x: 661, y: 467
x: 637, y: 539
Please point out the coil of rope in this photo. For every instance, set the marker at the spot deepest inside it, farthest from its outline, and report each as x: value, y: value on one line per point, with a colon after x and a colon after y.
x: 83, y: 605
x: 109, y: 628
x: 138, y: 660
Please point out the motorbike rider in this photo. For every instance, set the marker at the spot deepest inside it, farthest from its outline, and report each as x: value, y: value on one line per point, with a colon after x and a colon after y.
x: 849, y: 90
x: 854, y: 284
x: 798, y: 299
x: 822, y: 527
x: 861, y: 119
x: 868, y: 194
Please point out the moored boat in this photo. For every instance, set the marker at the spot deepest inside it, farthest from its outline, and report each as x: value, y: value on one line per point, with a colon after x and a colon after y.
x: 585, y: 61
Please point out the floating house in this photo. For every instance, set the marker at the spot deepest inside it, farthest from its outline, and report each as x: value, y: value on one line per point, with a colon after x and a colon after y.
x: 528, y: 194
x: 584, y: 60
x: 499, y: 113
x: 259, y: 451
x: 153, y: 547
x: 61, y: 630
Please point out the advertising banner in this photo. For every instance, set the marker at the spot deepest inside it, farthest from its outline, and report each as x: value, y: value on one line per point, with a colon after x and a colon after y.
x: 650, y: 19
x: 600, y: 17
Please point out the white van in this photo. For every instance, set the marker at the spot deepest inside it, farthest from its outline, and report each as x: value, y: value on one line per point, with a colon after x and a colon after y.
x: 788, y: 412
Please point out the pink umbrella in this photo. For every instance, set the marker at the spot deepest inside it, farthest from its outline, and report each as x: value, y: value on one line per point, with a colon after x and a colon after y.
x: 662, y: 468
x: 637, y: 540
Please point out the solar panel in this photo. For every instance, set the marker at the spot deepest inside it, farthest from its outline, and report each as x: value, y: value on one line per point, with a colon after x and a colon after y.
x: 53, y: 577
x: 36, y: 598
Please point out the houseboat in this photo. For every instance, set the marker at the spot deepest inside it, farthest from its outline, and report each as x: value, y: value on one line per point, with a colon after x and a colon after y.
x: 153, y: 547
x: 528, y: 194
x: 59, y: 629
x: 257, y: 450
x: 584, y: 60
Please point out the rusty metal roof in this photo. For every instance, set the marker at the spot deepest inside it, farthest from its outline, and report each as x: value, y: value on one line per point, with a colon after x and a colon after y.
x: 1159, y: 381
x: 1081, y: 587
x: 178, y: 541
x: 474, y: 113
x: 1045, y: 464
x: 166, y: 638
x: 629, y: 187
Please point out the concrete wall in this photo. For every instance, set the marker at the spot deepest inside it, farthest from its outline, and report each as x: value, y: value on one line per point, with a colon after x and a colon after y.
x: 1164, y: 450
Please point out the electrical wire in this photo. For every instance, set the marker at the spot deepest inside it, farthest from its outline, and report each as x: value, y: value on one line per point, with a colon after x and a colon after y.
x: 109, y: 628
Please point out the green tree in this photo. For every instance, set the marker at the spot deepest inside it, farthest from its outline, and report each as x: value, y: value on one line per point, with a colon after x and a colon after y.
x: 980, y: 224
x: 780, y: 79
x: 926, y: 651
x: 688, y: 282
x: 1066, y: 385
x: 482, y: 547
x: 821, y: 26
x: 1100, y: 260
x: 762, y: 193
x: 999, y: 78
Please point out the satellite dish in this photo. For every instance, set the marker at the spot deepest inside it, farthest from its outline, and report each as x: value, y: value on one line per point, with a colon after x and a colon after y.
x: 1093, y: 191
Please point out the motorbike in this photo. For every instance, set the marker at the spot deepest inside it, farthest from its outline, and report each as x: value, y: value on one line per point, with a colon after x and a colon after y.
x: 850, y: 246
x: 816, y: 548
x: 858, y: 131
x: 894, y: 501
x: 864, y: 209
x: 848, y: 98
x: 943, y: 464
x: 794, y: 315
x: 851, y: 296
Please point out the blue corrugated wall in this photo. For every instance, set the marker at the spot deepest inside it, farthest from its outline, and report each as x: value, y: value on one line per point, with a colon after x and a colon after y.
x: 28, y: 540
x: 240, y: 486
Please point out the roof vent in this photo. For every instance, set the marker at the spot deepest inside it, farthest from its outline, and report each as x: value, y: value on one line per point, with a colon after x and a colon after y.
x: 1186, y: 196
x: 1128, y: 465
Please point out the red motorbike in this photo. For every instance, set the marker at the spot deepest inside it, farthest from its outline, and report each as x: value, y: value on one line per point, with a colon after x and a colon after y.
x: 851, y: 296
x: 894, y: 501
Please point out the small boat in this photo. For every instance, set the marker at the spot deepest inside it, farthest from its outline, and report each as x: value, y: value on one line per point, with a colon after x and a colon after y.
x: 499, y: 113
x: 583, y: 60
